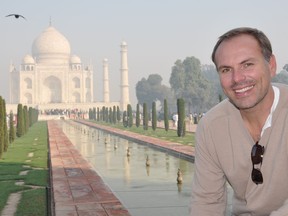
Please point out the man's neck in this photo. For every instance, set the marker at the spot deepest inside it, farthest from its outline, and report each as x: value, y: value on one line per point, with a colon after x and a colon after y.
x: 255, y: 118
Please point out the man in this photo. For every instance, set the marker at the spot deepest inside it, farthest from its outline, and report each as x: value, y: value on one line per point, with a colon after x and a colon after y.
x: 244, y: 139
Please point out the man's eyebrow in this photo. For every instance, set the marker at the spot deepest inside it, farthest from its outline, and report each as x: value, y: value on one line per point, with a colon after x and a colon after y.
x: 246, y: 60
x: 223, y: 66
x: 241, y: 63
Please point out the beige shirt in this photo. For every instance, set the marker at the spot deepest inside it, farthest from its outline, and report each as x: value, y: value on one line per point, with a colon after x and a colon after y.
x: 223, y: 153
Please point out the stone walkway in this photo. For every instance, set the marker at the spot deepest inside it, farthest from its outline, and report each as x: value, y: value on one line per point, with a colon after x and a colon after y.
x: 77, y: 188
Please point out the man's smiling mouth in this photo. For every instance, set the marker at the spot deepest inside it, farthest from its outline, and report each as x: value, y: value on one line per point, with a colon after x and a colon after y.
x: 244, y: 89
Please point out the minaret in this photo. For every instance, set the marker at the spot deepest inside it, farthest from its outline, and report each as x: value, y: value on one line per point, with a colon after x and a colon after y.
x: 124, y: 78
x: 106, y: 97
x: 11, y: 93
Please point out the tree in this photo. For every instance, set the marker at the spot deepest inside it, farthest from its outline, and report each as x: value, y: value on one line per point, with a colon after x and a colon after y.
x: 285, y: 67
x: 26, y: 119
x: 125, y: 119
x: 188, y: 83
x: 20, y: 121
x: 114, y: 115
x: 1, y: 127
x: 211, y: 75
x: 90, y: 114
x: 94, y: 114
x: 137, y: 115
x: 151, y: 89
x: 106, y: 114
x: 98, y: 114
x: 130, y: 115
x: 154, y: 116
x: 181, y: 117
x: 166, y: 118
x: 110, y: 115
x: 145, y: 117
x: 30, y: 114
x: 281, y: 77
x: 103, y: 113
x: 6, y: 137
x: 11, y: 128
x: 118, y: 114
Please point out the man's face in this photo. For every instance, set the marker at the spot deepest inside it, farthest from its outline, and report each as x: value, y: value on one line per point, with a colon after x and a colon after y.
x: 244, y: 74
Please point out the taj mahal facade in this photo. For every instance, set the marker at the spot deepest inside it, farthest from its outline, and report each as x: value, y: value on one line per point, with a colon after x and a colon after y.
x: 52, y: 78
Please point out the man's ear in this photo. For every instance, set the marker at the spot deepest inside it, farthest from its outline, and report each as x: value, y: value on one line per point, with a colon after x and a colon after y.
x: 273, y: 65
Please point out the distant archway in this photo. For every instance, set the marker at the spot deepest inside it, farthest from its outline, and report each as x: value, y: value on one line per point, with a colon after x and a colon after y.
x: 52, y: 90
x: 28, y: 82
x: 76, y: 82
x: 88, y: 97
x: 28, y: 98
x: 76, y: 97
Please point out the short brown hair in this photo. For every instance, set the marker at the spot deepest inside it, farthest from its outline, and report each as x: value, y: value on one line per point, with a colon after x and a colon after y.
x: 261, y: 38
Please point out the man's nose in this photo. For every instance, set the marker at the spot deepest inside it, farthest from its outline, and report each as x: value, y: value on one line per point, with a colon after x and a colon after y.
x: 238, y: 75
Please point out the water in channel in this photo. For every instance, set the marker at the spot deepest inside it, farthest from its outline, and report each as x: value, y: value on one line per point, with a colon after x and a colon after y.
x: 143, y: 190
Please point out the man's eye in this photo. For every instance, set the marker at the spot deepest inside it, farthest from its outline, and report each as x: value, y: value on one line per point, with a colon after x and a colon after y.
x: 247, y: 65
x: 225, y: 70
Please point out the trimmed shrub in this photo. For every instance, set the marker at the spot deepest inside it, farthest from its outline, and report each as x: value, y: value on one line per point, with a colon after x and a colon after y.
x: 181, y: 117
x: 129, y: 115
x: 145, y: 117
x: 166, y: 117
x: 154, y: 116
x: 137, y: 116
x: 11, y: 128
x: 20, y: 121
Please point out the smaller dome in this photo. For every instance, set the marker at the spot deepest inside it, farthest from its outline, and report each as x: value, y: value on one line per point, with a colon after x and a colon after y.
x: 75, y: 60
x: 28, y: 59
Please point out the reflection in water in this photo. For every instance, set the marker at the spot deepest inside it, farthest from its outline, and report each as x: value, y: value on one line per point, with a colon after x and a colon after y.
x: 148, y: 170
x: 179, y: 187
x: 144, y: 190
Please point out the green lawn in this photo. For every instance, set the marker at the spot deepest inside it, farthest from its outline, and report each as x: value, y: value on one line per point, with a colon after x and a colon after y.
x: 16, y: 159
x: 19, y: 158
x: 170, y: 135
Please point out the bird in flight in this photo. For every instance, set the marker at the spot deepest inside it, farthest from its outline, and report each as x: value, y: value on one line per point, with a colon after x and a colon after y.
x: 16, y: 16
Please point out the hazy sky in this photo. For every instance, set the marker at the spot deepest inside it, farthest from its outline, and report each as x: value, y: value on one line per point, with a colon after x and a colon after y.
x: 158, y: 32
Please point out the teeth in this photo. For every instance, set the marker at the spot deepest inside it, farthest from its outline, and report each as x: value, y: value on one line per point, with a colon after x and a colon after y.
x: 244, y: 89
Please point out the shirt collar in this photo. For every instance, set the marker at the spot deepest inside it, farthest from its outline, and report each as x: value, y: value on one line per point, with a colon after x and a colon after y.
x: 268, y: 122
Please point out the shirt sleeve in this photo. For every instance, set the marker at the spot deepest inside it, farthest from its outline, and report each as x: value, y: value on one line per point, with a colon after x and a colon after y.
x: 209, y: 190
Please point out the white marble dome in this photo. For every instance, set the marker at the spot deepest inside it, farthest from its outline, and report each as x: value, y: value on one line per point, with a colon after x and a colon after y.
x: 51, y: 47
x: 75, y: 59
x: 28, y: 59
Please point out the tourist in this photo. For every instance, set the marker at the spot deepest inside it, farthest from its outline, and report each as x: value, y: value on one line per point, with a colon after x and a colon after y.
x: 175, y: 120
x: 243, y: 141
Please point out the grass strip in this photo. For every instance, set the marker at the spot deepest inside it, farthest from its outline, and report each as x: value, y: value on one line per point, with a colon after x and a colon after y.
x: 6, y: 189
x: 27, y: 153
x: 160, y: 133
x: 32, y: 199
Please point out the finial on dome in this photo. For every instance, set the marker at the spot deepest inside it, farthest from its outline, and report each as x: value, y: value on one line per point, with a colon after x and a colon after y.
x: 50, y: 22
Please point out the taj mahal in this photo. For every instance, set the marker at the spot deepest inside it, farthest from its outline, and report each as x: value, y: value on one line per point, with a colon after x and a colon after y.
x: 52, y: 78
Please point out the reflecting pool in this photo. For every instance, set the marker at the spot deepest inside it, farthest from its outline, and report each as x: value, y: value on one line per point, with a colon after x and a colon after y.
x: 142, y: 189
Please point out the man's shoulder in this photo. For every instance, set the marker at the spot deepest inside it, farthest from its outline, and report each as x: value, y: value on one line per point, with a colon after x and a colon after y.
x: 283, y: 87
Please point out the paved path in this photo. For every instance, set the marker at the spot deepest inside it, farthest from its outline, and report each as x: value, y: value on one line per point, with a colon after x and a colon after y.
x: 77, y: 188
